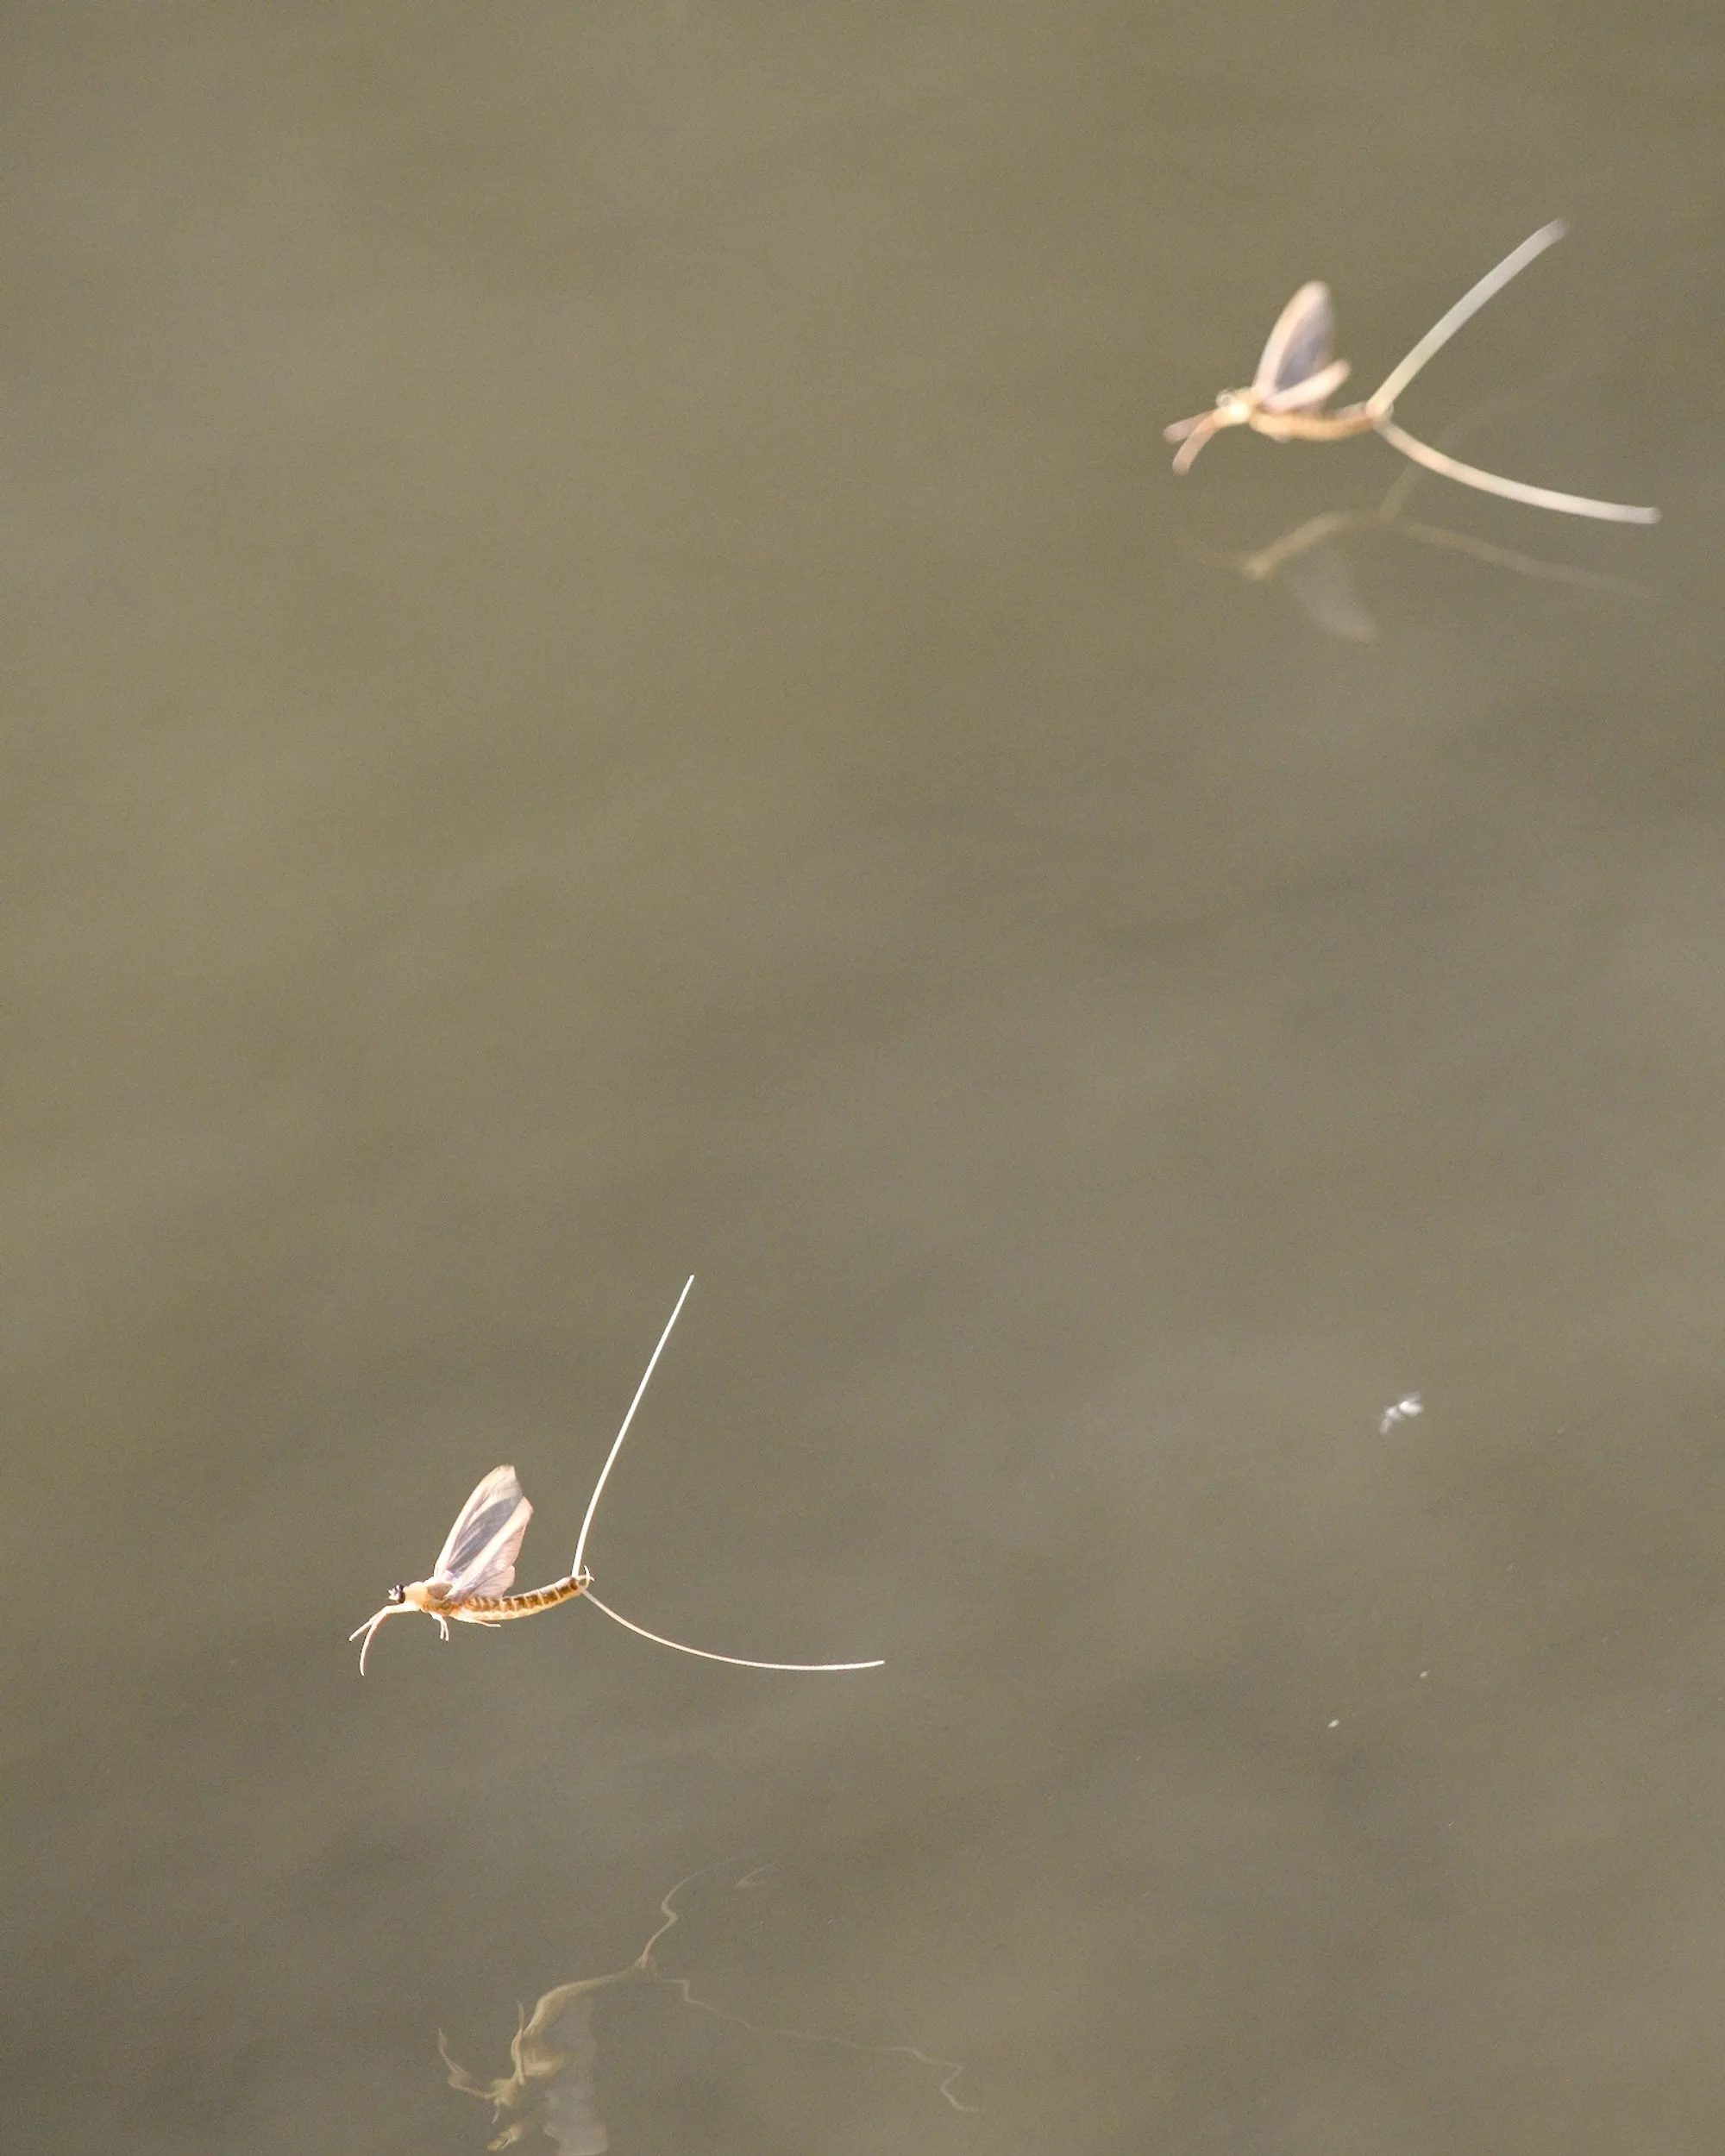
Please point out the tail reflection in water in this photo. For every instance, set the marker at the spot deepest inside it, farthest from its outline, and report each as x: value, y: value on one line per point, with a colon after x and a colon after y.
x: 1312, y: 567
x: 1310, y: 563
x: 1316, y: 573
x: 555, y: 2052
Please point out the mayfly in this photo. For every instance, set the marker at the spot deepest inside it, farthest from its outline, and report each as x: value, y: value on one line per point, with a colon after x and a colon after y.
x: 475, y: 1568
x: 1296, y: 377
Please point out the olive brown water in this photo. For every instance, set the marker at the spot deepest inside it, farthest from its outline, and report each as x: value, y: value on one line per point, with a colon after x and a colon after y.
x: 607, y: 678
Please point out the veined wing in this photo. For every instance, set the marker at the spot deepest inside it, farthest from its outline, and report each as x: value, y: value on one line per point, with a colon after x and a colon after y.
x: 478, y: 1557
x: 1295, y: 368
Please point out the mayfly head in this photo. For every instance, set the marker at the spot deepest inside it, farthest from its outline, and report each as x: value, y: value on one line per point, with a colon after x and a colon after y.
x: 405, y: 1595
x: 1233, y: 408
x: 368, y: 1632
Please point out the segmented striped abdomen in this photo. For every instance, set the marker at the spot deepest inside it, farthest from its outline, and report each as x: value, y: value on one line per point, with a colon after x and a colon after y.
x: 496, y: 1610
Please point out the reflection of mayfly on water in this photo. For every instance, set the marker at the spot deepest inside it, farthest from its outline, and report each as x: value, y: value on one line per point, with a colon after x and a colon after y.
x: 475, y: 1568
x: 552, y: 2083
x: 1309, y: 561
x: 1296, y: 377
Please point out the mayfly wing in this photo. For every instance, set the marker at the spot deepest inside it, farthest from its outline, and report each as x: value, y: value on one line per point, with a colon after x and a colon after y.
x: 1297, y: 355
x: 478, y: 1557
x: 1306, y: 395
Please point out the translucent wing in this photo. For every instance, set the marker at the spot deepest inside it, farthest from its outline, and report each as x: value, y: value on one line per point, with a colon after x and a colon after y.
x: 1296, y: 359
x: 1306, y: 395
x: 479, y: 1557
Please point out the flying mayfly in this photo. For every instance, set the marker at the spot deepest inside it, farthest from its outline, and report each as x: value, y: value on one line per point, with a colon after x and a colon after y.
x: 475, y: 1568
x: 1296, y: 377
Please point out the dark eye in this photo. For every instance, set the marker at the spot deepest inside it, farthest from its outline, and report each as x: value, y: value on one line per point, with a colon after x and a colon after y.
x: 397, y: 1594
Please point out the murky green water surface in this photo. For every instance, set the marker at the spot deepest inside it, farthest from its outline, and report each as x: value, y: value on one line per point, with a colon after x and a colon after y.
x: 606, y: 677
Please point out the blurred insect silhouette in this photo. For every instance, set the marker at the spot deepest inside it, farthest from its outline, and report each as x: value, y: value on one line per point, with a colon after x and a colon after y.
x: 475, y: 1568
x: 554, y: 2054
x: 1296, y: 377
x: 554, y: 2051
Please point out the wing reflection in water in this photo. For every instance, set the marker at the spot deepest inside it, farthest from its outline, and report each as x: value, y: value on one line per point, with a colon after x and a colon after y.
x: 554, y: 2052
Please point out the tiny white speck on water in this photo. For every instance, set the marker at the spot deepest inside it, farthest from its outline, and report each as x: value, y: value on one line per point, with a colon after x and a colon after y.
x: 1403, y: 1411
